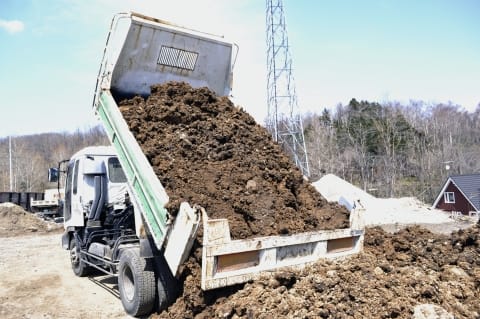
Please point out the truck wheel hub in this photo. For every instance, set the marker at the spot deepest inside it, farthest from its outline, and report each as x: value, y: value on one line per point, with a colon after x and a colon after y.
x: 74, y: 257
x: 128, y: 283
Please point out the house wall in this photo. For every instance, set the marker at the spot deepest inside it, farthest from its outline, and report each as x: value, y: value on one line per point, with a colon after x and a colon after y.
x: 461, y: 203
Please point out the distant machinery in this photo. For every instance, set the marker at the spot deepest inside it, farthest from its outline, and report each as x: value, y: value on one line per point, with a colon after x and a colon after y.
x: 284, y: 121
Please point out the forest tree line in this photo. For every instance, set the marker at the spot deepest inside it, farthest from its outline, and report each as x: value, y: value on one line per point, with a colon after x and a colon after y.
x: 389, y: 150
x: 394, y: 150
x: 32, y: 155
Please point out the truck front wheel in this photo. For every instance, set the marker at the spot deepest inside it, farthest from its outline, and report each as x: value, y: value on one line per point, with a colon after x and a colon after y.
x: 79, y: 267
x: 136, y: 283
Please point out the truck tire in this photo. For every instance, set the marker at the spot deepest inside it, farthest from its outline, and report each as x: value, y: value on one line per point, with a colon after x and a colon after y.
x: 167, y: 284
x: 136, y: 283
x: 79, y: 268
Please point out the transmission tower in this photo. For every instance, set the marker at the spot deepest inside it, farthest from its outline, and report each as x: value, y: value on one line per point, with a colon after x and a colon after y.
x: 284, y: 121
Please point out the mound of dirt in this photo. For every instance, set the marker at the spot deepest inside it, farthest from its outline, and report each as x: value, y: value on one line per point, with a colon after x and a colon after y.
x: 15, y: 221
x: 209, y: 152
x: 395, y: 276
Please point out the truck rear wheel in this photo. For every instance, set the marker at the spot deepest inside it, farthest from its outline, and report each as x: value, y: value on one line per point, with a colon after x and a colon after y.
x: 167, y: 284
x: 79, y: 267
x: 136, y: 283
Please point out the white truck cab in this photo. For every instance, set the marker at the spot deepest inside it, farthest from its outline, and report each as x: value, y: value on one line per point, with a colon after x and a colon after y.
x: 84, y: 168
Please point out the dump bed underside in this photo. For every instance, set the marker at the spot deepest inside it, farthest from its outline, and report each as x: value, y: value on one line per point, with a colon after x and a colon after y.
x: 156, y: 52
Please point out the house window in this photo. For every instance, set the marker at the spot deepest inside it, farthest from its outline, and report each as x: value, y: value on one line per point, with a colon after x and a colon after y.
x: 449, y: 197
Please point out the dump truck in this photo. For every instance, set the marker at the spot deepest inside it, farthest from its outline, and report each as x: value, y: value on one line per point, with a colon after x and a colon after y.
x: 115, y: 218
x: 49, y: 207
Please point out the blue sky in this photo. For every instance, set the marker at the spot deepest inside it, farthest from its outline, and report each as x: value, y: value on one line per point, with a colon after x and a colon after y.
x: 373, y: 50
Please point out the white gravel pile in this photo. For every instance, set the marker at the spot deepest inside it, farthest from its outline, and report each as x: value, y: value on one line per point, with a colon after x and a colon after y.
x: 379, y: 211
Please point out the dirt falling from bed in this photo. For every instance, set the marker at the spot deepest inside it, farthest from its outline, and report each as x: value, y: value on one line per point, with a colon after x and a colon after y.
x: 207, y: 151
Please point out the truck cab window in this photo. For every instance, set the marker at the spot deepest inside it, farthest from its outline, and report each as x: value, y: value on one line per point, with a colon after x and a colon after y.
x: 68, y: 186
x: 115, y: 171
x: 75, y: 177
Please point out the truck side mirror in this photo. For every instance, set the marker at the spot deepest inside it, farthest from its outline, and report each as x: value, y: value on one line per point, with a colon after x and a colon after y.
x: 53, y: 175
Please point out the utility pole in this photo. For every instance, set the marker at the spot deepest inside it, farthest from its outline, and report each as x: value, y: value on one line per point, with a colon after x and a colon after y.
x: 284, y: 121
x: 10, y: 161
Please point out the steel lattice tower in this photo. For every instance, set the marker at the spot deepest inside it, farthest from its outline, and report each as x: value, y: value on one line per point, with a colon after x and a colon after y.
x: 284, y: 121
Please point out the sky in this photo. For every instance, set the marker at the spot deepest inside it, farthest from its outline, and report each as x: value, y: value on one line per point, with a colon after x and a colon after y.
x: 374, y: 50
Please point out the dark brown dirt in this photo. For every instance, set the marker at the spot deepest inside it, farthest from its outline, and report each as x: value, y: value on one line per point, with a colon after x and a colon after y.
x: 209, y: 152
x: 15, y: 221
x: 395, y: 273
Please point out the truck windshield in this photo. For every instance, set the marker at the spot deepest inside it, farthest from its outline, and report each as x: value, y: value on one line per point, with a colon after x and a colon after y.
x: 115, y: 171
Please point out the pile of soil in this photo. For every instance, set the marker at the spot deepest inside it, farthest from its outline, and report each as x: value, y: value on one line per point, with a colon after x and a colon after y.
x: 395, y: 274
x: 15, y: 221
x: 207, y: 151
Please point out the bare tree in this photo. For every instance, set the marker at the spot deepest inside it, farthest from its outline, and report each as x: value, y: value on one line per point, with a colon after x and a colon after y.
x: 34, y: 154
x: 402, y: 150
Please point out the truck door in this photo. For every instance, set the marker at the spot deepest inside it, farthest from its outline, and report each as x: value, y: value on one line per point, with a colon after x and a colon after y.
x: 73, y: 196
x: 67, y: 208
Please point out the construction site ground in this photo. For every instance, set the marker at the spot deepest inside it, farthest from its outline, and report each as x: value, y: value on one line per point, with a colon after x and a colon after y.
x: 36, y: 280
